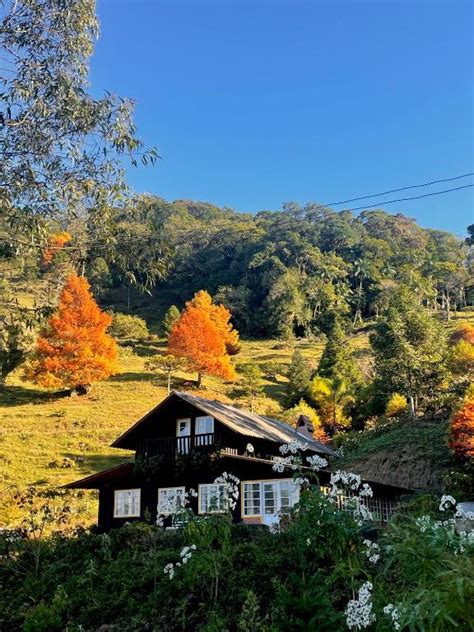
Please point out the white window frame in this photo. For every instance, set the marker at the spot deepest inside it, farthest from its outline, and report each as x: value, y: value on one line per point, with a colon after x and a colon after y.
x: 137, y: 502
x: 200, y: 498
x: 168, y: 489
x: 200, y: 418
x: 188, y: 424
x: 294, y: 495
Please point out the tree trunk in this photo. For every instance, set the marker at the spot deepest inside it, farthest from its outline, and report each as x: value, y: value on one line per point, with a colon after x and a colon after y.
x: 169, y: 381
x: 199, y: 380
x: 83, y: 389
x: 411, y: 406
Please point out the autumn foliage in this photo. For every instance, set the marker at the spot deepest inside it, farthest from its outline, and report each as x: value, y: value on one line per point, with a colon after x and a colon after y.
x: 464, y: 331
x: 55, y: 244
x: 74, y: 349
x: 461, y: 430
x: 204, y: 336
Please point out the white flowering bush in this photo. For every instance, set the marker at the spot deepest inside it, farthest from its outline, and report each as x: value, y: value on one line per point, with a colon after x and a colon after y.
x: 359, y: 612
x: 320, y: 572
x: 427, y: 559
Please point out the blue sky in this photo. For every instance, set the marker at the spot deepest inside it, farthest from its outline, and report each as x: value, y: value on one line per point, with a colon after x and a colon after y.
x: 252, y: 104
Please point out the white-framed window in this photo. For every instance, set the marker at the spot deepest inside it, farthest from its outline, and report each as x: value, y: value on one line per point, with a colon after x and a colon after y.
x: 252, y: 499
x: 183, y: 434
x: 212, y: 499
x: 204, y: 426
x: 127, y: 503
x: 170, y: 499
x: 270, y: 497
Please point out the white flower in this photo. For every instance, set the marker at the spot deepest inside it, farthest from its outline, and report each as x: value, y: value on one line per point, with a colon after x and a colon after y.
x: 465, y: 515
x: 316, y: 462
x: 299, y: 481
x: 169, y: 570
x: 447, y: 502
x: 366, y: 490
x: 394, y: 613
x: 231, y: 488
x: 358, y: 611
x: 372, y: 551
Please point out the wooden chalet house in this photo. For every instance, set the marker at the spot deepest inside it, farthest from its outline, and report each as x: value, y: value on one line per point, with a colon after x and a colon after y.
x: 186, y: 442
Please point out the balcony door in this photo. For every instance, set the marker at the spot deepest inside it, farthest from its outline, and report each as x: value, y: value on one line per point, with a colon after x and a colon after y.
x: 183, y: 434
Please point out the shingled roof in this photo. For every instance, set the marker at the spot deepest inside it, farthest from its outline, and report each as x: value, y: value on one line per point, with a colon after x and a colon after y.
x: 242, y: 421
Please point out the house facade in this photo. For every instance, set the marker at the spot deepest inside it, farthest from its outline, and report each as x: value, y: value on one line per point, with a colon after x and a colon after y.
x: 186, y: 443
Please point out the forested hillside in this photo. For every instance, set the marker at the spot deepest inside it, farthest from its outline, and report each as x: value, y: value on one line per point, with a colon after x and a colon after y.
x: 281, y: 273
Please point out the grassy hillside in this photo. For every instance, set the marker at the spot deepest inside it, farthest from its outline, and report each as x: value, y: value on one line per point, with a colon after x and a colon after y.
x: 412, y: 455
x: 48, y: 441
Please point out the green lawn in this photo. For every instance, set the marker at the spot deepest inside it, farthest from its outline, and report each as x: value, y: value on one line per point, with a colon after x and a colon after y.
x: 46, y: 441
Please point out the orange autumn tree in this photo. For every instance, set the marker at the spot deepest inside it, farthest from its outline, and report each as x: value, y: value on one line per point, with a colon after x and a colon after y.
x: 74, y: 349
x: 55, y: 244
x: 204, y: 336
x: 461, y: 430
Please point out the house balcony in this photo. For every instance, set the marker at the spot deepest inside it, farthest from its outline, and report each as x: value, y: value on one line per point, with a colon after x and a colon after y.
x: 173, y: 447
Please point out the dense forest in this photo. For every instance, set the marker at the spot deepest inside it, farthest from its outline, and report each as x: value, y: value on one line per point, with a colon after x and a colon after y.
x: 281, y: 273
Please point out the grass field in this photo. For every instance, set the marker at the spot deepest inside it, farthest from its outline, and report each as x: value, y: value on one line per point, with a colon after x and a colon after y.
x: 47, y: 442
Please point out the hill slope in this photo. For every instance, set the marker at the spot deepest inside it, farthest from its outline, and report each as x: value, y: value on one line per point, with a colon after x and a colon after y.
x: 405, y: 453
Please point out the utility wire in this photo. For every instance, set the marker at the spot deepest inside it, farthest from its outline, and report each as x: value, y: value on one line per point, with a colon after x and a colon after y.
x: 358, y: 208
x: 412, y: 186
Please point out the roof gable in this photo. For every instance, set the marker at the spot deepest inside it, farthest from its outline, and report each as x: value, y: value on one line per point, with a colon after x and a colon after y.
x: 240, y: 421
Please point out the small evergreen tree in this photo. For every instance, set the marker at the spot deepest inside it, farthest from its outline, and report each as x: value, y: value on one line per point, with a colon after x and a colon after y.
x: 298, y: 379
x: 409, y: 347
x: 171, y: 316
x: 337, y: 361
x: 251, y: 381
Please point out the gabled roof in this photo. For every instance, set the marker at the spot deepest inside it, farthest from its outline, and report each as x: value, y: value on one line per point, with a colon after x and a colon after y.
x: 94, y: 480
x: 242, y: 421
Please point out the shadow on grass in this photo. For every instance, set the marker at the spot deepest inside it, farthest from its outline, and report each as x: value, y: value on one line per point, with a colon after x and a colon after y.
x: 275, y: 391
x: 18, y: 395
x: 147, y: 351
x: 132, y: 377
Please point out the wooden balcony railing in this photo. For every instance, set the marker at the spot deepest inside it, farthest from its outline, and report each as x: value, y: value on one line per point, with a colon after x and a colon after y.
x: 171, y: 447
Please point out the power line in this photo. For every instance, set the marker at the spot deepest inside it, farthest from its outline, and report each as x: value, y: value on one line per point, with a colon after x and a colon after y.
x: 412, y: 186
x: 415, y: 197
x: 110, y: 243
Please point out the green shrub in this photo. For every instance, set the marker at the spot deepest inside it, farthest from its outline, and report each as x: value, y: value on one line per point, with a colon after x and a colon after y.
x: 128, y: 327
x: 43, y: 618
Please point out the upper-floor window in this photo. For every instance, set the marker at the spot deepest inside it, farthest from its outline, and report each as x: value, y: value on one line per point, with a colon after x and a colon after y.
x: 204, y: 426
x: 127, y: 503
x: 183, y: 432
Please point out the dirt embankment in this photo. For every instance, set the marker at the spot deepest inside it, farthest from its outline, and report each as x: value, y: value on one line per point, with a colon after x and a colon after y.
x: 412, y: 455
